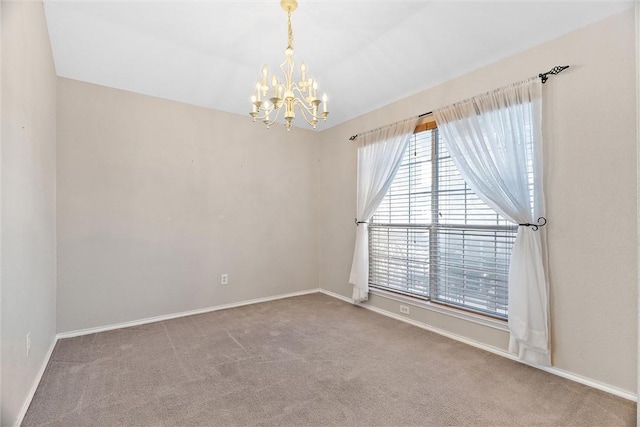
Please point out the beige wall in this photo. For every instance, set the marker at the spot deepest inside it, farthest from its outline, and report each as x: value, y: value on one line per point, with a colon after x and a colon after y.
x: 590, y: 161
x: 156, y: 199
x: 28, y: 279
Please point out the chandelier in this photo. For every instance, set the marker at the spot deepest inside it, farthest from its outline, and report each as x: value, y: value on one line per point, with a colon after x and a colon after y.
x: 287, y: 94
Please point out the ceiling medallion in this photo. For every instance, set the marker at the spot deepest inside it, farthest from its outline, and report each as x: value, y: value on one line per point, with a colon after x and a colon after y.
x: 268, y: 101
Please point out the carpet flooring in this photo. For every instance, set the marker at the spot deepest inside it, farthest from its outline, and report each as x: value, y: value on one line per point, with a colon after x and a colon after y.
x: 308, y: 360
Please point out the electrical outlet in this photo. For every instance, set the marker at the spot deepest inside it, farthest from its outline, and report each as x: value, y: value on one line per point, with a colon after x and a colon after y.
x: 224, y: 279
x: 404, y: 309
x: 28, y: 343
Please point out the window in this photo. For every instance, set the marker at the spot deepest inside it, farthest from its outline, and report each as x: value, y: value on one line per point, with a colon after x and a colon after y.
x: 433, y: 238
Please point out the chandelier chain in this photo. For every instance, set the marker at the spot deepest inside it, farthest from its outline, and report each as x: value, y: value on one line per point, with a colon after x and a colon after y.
x: 290, y: 31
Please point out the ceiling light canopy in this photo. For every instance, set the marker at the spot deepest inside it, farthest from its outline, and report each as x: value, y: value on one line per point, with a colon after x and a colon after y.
x: 268, y: 101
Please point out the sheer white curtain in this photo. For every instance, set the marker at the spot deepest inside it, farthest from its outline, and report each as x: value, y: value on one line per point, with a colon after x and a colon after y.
x: 495, y: 141
x: 379, y: 156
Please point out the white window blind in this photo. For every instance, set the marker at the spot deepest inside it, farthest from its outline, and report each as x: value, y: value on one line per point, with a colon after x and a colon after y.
x: 433, y: 238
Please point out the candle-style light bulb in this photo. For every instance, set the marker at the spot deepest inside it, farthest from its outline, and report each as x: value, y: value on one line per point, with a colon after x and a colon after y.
x: 315, y: 88
x: 303, y: 71
x: 324, y: 102
x: 258, y: 87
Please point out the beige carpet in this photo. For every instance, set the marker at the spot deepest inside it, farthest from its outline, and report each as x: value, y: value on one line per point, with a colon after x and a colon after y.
x: 309, y: 360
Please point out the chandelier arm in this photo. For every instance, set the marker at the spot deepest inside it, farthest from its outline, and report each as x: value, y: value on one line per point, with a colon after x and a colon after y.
x: 266, y: 111
x: 304, y: 111
x: 304, y: 108
x: 277, y: 115
x: 263, y: 113
x: 288, y: 73
x: 260, y: 115
x: 270, y: 122
x: 272, y: 109
x: 301, y: 92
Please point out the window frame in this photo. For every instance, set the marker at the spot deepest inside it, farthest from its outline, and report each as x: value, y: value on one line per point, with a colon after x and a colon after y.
x: 459, y: 310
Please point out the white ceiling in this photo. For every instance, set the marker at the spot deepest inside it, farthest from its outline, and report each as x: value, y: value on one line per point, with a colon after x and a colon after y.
x: 365, y: 54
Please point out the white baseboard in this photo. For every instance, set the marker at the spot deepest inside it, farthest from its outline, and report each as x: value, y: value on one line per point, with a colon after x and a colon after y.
x: 129, y: 324
x: 87, y: 331
x: 625, y: 394
x: 495, y: 350
x: 338, y: 296
x: 36, y: 382
x: 568, y: 375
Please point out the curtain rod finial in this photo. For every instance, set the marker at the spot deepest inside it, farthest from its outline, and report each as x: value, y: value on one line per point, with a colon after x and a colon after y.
x: 555, y: 70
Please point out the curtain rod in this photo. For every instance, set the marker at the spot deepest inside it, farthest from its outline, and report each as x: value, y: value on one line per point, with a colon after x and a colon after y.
x: 543, y: 76
x: 363, y: 133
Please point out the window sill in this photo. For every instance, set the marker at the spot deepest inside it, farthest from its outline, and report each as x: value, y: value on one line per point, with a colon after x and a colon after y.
x: 437, y: 308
